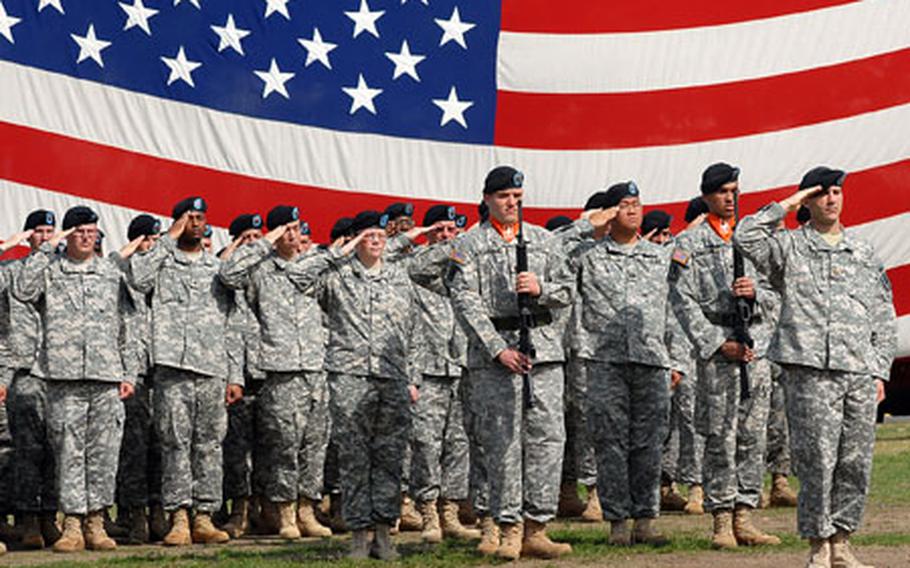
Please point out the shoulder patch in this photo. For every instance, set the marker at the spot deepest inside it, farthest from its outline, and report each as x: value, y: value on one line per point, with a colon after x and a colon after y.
x: 681, y: 257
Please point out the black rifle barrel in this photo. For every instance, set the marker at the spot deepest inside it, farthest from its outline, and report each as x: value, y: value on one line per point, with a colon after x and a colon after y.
x: 743, y: 313
x: 524, y: 310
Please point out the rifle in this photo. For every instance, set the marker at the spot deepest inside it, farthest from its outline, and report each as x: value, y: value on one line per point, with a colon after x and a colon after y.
x: 742, y: 314
x: 524, y: 310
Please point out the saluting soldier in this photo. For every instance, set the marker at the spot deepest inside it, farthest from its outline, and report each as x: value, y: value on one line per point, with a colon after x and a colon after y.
x: 190, y: 307
x: 81, y: 357
x: 836, y: 341
x: 704, y: 298
x: 523, y: 446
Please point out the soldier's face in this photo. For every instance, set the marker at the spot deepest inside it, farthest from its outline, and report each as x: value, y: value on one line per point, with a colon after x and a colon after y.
x: 442, y: 231
x: 148, y: 242
x: 207, y: 244
x: 288, y: 243
x: 504, y: 205
x: 628, y: 214
x: 662, y: 236
x: 250, y: 235
x: 827, y: 206
x: 372, y: 244
x: 304, y: 244
x: 41, y: 234
x: 721, y: 202
x: 405, y: 224
x: 80, y: 245
x: 195, y: 226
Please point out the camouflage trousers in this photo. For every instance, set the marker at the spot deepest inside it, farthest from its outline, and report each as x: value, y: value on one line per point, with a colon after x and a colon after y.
x: 628, y: 407
x: 580, y: 463
x: 734, y: 430
x: 191, y: 421
x: 7, y: 482
x: 33, y: 470
x: 523, y: 447
x: 290, y: 414
x: 139, y: 474
x: 684, y: 448
x: 440, y: 462
x: 371, y: 422
x: 85, y: 422
x: 479, y: 486
x: 241, y: 455
x: 832, y: 415
x: 777, y: 456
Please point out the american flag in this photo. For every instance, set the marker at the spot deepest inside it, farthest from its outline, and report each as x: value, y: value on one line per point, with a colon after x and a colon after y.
x: 341, y: 105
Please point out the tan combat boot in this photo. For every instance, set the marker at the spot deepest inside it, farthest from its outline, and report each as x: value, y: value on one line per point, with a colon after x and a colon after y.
x: 139, y: 526
x: 670, y: 498
x: 238, y: 522
x: 723, y: 537
x: 204, y: 532
x: 31, y: 532
x: 96, y: 537
x: 510, y: 541
x: 451, y: 523
x: 158, y: 522
x: 592, y: 512
x: 360, y: 545
x: 2, y: 548
x: 179, y: 534
x: 819, y: 553
x: 382, y: 548
x: 307, y: 522
x: 287, y: 520
x: 570, y: 506
x: 489, y: 536
x: 537, y: 544
x: 338, y: 525
x: 643, y: 532
x: 50, y: 530
x: 782, y: 494
x: 747, y: 533
x: 410, y: 518
x: 72, y: 539
x: 619, y: 533
x: 432, y: 532
x: 695, y: 505
x: 323, y: 511
x: 841, y: 555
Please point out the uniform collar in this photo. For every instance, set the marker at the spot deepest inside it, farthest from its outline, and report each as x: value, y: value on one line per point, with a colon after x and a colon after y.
x: 508, y: 233
x: 818, y: 243
x: 721, y: 227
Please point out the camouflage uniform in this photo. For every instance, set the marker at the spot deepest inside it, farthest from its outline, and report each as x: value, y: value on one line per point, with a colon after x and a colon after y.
x: 734, y: 430
x: 523, y: 447
x: 370, y: 318
x: 629, y: 329
x: 83, y: 359
x: 190, y: 336
x: 290, y: 351
x: 777, y: 453
x: 837, y: 333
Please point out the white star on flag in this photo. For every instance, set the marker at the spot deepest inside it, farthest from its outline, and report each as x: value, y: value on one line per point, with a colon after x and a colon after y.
x: 453, y: 109
x: 280, y: 6
x: 42, y: 4
x: 317, y: 50
x: 424, y: 2
x: 454, y: 29
x: 181, y: 68
x: 274, y: 80
x: 138, y: 15
x: 90, y: 46
x: 405, y: 62
x: 230, y: 35
x: 362, y: 95
x: 193, y: 2
x: 6, y: 24
x: 364, y: 19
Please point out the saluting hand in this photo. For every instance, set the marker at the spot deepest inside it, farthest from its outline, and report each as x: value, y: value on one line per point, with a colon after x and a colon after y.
x: 59, y: 236
x: 130, y: 248
x: 514, y: 360
x: 178, y: 226
x: 696, y: 222
x: 600, y: 218
x: 527, y: 283
x: 14, y: 240
x: 417, y: 231
x: 793, y: 202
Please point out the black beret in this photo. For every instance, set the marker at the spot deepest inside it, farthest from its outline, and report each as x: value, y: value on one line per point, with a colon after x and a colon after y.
x: 143, y: 226
x: 696, y: 207
x: 38, y: 218
x: 341, y: 228
x: 305, y: 228
x: 189, y: 204
x: 716, y: 176
x: 396, y: 210
x: 619, y: 191
x: 438, y: 213
x: 461, y: 221
x: 656, y: 219
x: 243, y: 223
x: 207, y: 234
x: 557, y: 222
x: 79, y: 215
x: 503, y: 177
x: 483, y: 211
x: 282, y: 215
x: 369, y: 220
x: 823, y: 176
x: 596, y: 201
x: 803, y: 215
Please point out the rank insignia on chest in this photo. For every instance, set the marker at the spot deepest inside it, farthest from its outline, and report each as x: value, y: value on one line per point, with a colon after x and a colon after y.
x: 457, y: 257
x: 681, y: 257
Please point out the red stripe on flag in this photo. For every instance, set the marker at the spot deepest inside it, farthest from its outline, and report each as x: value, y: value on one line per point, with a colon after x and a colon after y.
x: 611, y: 16
x: 900, y: 282
x: 697, y: 114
